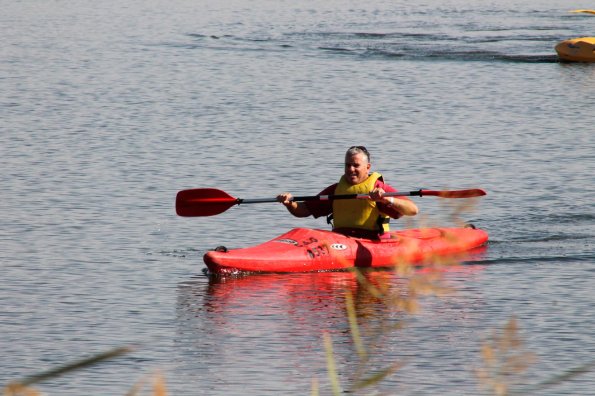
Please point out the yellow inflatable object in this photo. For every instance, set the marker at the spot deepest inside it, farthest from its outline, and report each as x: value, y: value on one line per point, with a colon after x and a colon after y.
x: 584, y: 11
x: 577, y: 50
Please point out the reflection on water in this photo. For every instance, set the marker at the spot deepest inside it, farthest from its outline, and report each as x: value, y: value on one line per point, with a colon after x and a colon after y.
x: 274, y: 323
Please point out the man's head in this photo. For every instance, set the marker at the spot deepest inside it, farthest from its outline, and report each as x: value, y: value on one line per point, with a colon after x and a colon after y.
x: 357, y: 164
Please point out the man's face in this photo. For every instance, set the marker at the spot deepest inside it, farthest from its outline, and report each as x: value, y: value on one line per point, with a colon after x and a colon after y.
x: 356, y: 168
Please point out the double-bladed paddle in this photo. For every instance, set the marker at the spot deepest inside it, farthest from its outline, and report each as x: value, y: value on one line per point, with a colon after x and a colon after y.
x: 211, y: 201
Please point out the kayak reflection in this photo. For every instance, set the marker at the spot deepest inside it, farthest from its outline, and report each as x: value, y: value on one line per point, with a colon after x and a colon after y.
x: 265, y: 329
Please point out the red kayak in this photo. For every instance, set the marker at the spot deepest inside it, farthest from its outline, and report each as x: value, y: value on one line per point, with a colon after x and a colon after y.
x: 307, y: 250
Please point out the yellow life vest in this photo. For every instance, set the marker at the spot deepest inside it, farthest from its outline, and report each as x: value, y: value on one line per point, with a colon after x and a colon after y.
x: 358, y: 213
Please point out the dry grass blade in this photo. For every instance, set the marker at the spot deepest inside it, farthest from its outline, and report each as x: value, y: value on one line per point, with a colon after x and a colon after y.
x: 362, y: 281
x: 136, y: 388
x: 20, y: 390
x: 83, y: 363
x: 331, y: 367
x: 355, y: 334
x: 565, y: 376
x: 505, y: 359
x: 457, y: 209
x: 159, y: 388
x: 315, y: 391
x: 377, y: 377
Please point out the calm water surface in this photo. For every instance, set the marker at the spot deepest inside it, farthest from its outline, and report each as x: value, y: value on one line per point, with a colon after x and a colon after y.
x: 107, y: 110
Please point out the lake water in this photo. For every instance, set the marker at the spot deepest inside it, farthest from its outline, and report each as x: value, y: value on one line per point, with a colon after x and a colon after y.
x: 109, y: 108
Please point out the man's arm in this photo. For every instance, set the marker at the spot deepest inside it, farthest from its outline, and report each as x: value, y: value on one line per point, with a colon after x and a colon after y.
x: 394, y: 207
x: 298, y: 209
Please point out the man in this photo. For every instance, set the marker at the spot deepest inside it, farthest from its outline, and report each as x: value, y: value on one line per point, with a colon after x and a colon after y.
x: 355, y: 217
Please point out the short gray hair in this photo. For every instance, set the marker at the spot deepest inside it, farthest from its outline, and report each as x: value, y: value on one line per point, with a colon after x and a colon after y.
x: 353, y: 150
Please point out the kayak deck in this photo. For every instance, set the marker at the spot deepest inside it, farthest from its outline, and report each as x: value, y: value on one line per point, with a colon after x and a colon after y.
x: 307, y: 250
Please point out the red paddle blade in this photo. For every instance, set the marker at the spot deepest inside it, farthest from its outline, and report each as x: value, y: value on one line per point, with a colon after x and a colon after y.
x: 203, y: 202
x: 474, y: 192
